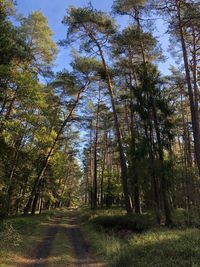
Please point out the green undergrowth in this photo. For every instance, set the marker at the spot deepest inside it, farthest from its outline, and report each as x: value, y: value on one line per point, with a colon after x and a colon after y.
x: 186, y: 218
x: 18, y: 235
x: 117, y: 220
x: 155, y: 246
x: 21, y: 227
x: 86, y: 213
x: 133, y: 223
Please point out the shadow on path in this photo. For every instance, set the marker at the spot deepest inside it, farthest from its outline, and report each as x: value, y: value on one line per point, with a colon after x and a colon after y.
x: 43, y: 249
x: 80, y: 246
x: 41, y: 255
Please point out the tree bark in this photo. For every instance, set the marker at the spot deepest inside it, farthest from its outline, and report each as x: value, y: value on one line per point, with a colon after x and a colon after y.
x: 102, y: 171
x: 95, y: 182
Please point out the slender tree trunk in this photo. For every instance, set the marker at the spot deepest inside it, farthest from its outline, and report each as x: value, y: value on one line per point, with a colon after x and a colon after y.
x: 124, y: 171
x: 108, y: 189
x: 65, y: 184
x: 35, y: 203
x: 91, y: 167
x: 95, y: 183
x: 10, y: 184
x: 135, y: 178
x: 102, y: 170
x: 155, y: 186
x: 9, y: 189
x: 164, y: 187
x: 41, y: 203
x: 194, y: 111
x: 87, y: 188
x: 18, y: 200
x: 46, y: 161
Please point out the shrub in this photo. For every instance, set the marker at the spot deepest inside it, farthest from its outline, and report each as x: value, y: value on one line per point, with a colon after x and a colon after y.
x: 9, y: 236
x: 135, y: 223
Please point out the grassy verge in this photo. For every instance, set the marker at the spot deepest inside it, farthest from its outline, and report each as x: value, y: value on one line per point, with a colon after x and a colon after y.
x: 155, y: 247
x: 18, y: 236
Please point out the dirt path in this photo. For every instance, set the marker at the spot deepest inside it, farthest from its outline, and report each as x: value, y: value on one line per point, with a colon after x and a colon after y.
x: 42, y: 250
x: 79, y: 245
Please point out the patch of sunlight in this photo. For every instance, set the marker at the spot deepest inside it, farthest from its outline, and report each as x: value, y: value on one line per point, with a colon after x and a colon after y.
x: 154, y: 237
x: 112, y: 245
x: 14, y: 260
x: 105, y: 244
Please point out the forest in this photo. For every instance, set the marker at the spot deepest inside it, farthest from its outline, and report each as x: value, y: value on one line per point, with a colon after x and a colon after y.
x: 110, y: 137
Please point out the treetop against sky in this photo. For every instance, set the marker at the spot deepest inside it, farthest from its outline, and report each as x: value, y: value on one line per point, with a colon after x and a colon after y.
x: 55, y: 11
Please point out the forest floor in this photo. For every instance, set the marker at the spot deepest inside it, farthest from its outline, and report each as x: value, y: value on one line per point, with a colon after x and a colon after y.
x: 136, y: 240
x: 57, y: 240
x: 67, y: 238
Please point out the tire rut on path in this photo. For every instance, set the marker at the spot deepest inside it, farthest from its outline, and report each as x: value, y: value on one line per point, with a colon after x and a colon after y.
x: 42, y: 251
x: 82, y: 257
x: 79, y: 245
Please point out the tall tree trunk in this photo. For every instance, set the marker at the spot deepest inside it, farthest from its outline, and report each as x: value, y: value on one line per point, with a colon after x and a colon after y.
x: 154, y: 180
x: 124, y: 170
x: 9, y: 189
x: 102, y: 171
x: 135, y: 178
x: 194, y: 110
x: 95, y: 183
x: 164, y: 187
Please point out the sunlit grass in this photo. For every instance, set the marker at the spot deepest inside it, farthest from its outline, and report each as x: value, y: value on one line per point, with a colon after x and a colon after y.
x: 87, y: 214
x: 158, y: 247
x: 28, y: 230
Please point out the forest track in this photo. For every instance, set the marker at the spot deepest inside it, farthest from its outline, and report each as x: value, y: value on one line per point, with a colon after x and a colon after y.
x: 82, y: 256
x: 42, y: 250
x: 79, y: 245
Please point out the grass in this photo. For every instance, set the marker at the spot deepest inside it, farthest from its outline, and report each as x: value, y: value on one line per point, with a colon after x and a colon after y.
x: 185, y: 218
x: 155, y: 247
x: 61, y: 253
x: 18, y: 236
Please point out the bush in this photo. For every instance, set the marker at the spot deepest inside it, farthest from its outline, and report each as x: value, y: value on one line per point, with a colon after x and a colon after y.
x: 135, y: 223
x: 9, y: 236
x: 186, y: 218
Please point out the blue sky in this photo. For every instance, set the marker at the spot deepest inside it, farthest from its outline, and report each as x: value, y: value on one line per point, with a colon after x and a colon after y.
x: 55, y: 10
